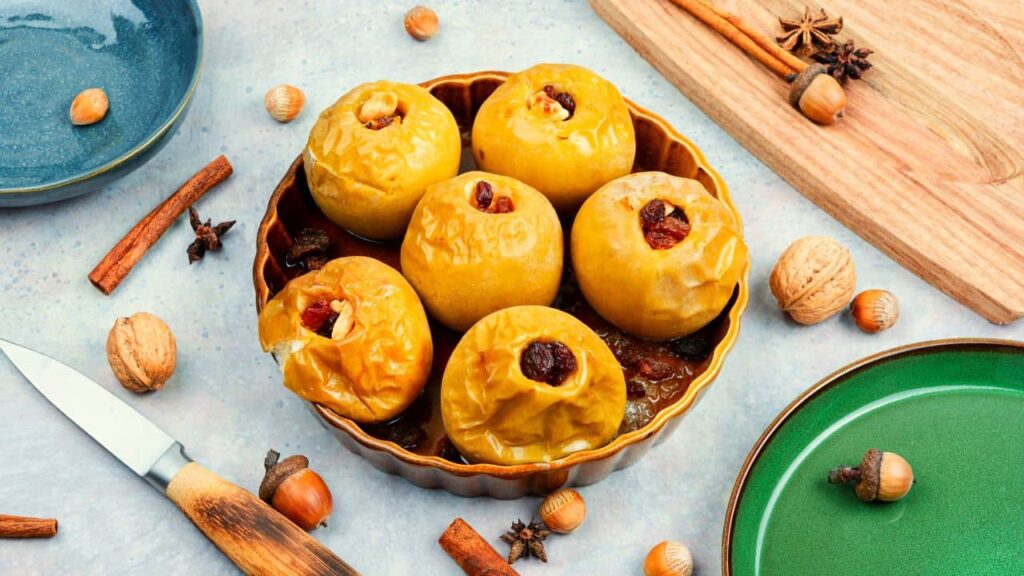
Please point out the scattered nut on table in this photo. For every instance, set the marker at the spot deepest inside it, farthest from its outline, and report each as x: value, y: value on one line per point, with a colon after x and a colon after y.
x: 89, y: 107
x: 141, y: 352
x: 814, y: 279
x: 669, y: 559
x: 296, y: 491
x: 421, y: 23
x: 875, y: 310
x: 284, y: 102
x: 563, y: 511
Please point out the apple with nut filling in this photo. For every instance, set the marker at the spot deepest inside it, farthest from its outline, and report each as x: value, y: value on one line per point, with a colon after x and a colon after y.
x: 559, y: 128
x: 481, y: 242
x: 371, y: 156
x: 352, y: 336
x: 657, y: 255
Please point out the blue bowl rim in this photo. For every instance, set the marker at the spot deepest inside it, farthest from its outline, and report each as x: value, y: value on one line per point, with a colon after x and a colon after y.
x: 151, y: 139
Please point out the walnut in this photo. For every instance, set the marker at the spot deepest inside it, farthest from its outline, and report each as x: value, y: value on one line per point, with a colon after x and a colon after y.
x: 814, y: 279
x: 141, y: 352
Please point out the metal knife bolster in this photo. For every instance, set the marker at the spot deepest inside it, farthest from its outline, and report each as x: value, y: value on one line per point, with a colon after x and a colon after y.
x: 166, y: 467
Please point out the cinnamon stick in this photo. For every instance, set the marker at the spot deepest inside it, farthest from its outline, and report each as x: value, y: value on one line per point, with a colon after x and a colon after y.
x: 706, y: 13
x: 760, y: 39
x: 116, y: 265
x: 25, y: 527
x: 472, y: 553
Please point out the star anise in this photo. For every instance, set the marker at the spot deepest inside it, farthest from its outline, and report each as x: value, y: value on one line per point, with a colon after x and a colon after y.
x: 810, y: 34
x: 847, y: 61
x: 526, y: 540
x: 207, y: 237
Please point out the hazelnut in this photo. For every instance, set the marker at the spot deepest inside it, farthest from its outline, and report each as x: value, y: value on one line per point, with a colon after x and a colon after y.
x: 884, y: 476
x: 379, y: 105
x: 141, y: 352
x: 669, y: 559
x: 421, y: 23
x: 284, y: 102
x: 817, y: 95
x: 295, y: 491
x: 813, y: 279
x: 875, y: 310
x: 563, y: 511
x: 89, y: 107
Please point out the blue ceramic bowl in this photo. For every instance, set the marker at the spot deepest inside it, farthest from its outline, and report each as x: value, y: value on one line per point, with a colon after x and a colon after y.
x: 146, y: 55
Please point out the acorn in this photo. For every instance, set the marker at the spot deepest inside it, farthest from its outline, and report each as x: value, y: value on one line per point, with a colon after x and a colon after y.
x: 884, y: 476
x: 875, y: 310
x: 669, y: 559
x: 563, y: 511
x: 295, y: 491
x: 817, y: 95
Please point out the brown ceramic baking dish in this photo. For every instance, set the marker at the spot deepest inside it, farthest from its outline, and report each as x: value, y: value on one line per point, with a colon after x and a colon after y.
x: 429, y: 462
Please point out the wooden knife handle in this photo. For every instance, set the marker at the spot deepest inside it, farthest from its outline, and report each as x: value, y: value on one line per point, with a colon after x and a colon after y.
x: 257, y: 538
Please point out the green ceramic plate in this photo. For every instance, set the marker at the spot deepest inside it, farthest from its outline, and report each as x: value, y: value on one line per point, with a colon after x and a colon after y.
x: 953, y: 409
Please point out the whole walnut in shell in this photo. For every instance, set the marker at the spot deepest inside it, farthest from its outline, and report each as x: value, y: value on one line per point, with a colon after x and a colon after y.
x: 814, y: 279
x: 141, y: 352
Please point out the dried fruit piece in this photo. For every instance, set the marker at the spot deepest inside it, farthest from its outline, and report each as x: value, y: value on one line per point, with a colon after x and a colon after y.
x: 566, y: 100
x: 309, y: 249
x: 663, y: 225
x: 548, y: 362
x: 484, y: 195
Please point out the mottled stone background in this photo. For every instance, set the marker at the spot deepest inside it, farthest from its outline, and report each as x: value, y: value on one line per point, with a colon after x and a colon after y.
x: 226, y: 403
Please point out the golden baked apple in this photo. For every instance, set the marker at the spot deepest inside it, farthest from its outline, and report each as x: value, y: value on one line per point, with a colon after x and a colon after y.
x: 352, y: 336
x: 559, y: 128
x: 657, y: 255
x: 531, y: 384
x: 479, y: 243
x: 373, y: 153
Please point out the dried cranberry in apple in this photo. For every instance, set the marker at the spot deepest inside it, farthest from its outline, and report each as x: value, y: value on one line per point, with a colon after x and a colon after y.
x: 503, y: 205
x: 316, y: 314
x: 654, y: 369
x: 548, y: 362
x: 660, y: 230
x: 484, y: 194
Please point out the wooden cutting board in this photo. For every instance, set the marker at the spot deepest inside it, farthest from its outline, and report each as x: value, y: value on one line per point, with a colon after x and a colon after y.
x: 927, y: 165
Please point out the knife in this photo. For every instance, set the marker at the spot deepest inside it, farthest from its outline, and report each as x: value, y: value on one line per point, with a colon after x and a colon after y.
x: 253, y: 535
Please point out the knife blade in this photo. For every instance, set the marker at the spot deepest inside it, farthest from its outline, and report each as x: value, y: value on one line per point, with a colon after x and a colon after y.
x: 253, y: 535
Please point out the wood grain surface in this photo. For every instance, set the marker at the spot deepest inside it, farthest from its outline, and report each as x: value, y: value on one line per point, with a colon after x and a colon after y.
x: 253, y: 535
x: 927, y: 164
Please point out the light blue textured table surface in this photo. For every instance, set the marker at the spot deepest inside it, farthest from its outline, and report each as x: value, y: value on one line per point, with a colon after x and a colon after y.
x: 225, y: 402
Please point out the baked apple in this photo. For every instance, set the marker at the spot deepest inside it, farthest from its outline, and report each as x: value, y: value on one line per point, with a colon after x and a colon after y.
x: 559, y: 128
x: 657, y: 255
x: 373, y: 153
x: 352, y: 336
x: 531, y: 384
x: 479, y: 243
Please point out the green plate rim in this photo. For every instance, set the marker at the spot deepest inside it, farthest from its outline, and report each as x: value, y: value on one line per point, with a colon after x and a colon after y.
x: 822, y: 385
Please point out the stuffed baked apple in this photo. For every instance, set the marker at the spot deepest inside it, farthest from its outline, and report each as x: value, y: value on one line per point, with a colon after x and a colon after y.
x: 352, y: 336
x: 656, y: 255
x: 371, y: 156
x: 531, y: 384
x: 481, y: 242
x: 559, y: 128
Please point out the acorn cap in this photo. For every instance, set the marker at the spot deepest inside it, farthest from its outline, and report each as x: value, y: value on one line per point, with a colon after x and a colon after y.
x: 278, y: 472
x: 802, y: 81
x: 870, y: 475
